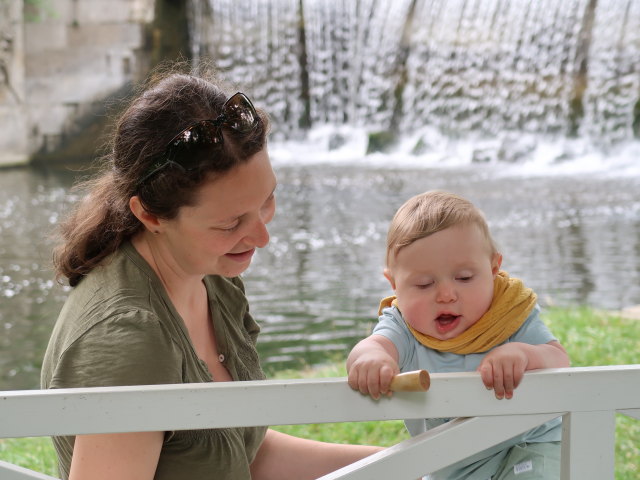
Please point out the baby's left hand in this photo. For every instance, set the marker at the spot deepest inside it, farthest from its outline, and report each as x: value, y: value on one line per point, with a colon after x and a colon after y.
x: 503, y: 369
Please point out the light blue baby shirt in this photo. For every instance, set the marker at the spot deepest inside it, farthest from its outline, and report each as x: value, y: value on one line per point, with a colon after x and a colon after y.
x: 412, y: 355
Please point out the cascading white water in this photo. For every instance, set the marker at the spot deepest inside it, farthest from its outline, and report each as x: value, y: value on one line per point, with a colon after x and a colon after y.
x: 490, y: 65
x: 255, y: 44
x: 463, y: 67
x: 345, y: 54
x: 352, y: 49
x: 613, y: 85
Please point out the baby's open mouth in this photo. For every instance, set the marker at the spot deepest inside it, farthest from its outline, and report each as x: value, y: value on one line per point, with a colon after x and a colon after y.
x: 447, y: 322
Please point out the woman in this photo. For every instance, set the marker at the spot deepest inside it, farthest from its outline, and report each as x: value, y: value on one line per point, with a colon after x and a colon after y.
x: 154, y: 252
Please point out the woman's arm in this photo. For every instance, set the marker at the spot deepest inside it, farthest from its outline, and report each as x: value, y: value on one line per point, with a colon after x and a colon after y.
x: 284, y: 457
x: 125, y: 456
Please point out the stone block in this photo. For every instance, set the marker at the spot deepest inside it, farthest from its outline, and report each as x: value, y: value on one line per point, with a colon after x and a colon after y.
x: 143, y: 11
x: 48, y: 121
x: 75, y: 88
x: 105, y: 36
x: 44, y: 37
x: 66, y: 63
x: 103, y: 11
x: 13, y: 136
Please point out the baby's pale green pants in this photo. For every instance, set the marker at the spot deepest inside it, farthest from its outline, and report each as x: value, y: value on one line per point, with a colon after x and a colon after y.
x: 531, y: 461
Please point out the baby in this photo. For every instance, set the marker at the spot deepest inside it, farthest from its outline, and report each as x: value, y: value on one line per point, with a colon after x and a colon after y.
x: 454, y: 310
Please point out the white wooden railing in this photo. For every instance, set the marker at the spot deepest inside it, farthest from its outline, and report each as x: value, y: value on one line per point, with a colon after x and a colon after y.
x: 587, y: 399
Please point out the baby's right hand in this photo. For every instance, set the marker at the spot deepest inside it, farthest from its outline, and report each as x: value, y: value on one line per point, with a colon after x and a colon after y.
x: 371, y: 374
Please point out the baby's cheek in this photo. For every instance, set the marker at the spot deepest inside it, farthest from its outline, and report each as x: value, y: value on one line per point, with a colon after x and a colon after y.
x: 416, y: 318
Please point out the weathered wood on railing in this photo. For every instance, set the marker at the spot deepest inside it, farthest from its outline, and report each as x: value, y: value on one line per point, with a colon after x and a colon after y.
x: 279, y: 402
x: 9, y: 471
x: 587, y: 397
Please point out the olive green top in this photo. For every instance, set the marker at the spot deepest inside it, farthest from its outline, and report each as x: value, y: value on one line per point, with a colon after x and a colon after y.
x: 118, y: 327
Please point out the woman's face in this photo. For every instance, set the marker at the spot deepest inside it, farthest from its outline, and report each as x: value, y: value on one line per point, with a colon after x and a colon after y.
x: 220, y: 232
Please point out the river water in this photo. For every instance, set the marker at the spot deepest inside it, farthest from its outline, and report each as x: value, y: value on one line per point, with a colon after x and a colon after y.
x: 572, y: 234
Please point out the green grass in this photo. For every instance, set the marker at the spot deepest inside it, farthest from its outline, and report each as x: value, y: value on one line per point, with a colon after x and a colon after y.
x: 383, y: 433
x: 33, y: 453
x: 591, y: 337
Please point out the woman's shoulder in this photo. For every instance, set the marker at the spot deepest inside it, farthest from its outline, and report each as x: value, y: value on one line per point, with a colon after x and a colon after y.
x: 109, y: 290
x: 112, y: 347
x: 115, y: 303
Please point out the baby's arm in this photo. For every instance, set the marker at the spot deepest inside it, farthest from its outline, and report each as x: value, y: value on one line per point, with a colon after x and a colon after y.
x: 502, y: 369
x: 372, y: 364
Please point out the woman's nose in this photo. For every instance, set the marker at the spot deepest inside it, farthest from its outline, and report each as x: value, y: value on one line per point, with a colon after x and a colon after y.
x: 259, y: 235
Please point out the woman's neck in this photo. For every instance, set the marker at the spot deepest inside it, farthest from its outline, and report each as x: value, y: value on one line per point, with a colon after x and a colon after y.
x: 184, y: 290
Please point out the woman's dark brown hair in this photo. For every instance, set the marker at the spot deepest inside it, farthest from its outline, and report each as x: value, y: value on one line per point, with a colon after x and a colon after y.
x: 102, y: 220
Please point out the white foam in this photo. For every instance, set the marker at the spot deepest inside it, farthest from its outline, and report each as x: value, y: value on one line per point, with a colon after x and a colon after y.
x: 512, y: 154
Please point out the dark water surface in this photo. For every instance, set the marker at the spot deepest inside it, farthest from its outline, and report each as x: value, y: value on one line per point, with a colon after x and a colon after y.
x: 315, y: 289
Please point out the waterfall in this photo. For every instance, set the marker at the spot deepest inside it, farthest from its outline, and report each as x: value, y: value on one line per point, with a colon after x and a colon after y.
x: 568, y: 69
x: 611, y: 99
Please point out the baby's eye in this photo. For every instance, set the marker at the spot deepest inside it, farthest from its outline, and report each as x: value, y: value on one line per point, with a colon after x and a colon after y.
x: 423, y: 286
x: 465, y: 278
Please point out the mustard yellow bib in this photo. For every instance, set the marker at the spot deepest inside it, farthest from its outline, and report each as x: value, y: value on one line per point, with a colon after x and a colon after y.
x: 511, y: 305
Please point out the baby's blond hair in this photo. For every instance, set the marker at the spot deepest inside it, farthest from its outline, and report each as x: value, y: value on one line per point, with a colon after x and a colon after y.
x: 431, y: 212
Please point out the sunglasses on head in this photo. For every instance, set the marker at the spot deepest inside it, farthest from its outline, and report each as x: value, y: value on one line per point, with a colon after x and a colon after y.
x: 238, y: 114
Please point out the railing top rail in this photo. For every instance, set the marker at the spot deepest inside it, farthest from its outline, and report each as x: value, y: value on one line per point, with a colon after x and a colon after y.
x: 277, y: 402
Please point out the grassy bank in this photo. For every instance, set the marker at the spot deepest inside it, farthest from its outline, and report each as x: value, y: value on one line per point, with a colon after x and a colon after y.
x: 591, y: 337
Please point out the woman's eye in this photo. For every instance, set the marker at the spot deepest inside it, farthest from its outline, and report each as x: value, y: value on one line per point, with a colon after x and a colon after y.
x: 229, y: 228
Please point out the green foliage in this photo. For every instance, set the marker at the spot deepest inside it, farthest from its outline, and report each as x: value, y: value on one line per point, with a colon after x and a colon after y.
x: 591, y: 337
x: 380, y: 141
x: 38, y: 10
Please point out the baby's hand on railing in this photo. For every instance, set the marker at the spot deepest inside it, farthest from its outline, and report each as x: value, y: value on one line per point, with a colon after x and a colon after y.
x: 371, y: 375
x: 502, y: 369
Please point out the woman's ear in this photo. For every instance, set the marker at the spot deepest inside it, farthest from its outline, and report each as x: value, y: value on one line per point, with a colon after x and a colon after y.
x: 150, y: 221
x: 388, y: 274
x: 496, y: 262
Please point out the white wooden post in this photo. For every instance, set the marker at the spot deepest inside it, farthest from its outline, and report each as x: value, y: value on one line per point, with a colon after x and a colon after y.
x: 588, y: 445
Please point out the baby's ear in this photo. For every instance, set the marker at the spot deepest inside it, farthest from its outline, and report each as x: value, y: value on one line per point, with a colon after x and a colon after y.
x: 496, y: 263
x: 388, y: 274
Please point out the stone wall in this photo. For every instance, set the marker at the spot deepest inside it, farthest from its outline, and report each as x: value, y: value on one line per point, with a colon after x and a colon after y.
x: 62, y: 59
x: 13, y: 115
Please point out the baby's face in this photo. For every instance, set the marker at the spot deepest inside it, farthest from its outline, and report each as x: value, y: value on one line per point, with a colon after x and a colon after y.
x: 444, y: 282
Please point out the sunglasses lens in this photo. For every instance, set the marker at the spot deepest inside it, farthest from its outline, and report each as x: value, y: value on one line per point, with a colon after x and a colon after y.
x: 185, y: 148
x: 202, y: 133
x: 239, y: 113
